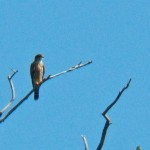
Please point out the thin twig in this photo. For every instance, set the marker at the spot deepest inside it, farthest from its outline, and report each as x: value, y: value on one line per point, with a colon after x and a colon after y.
x: 108, y: 122
x: 49, y: 77
x: 66, y: 71
x: 85, y: 142
x: 117, y: 98
x: 12, y: 92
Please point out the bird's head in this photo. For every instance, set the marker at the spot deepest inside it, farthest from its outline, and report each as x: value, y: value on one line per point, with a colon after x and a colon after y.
x: 39, y: 57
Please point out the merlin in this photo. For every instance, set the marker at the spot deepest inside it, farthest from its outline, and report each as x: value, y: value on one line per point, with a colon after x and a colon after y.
x: 37, y: 73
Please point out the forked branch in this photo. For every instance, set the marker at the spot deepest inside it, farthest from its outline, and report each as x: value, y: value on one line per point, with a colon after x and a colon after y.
x: 45, y: 79
x: 12, y: 92
x: 108, y: 121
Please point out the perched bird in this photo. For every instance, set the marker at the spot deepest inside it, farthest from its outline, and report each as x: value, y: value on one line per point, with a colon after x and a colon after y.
x: 37, y: 72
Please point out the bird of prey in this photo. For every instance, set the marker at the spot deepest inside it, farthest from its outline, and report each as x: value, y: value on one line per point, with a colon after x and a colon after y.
x: 37, y: 72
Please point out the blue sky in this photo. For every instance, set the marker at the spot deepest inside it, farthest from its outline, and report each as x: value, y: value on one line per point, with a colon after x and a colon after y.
x: 114, y: 34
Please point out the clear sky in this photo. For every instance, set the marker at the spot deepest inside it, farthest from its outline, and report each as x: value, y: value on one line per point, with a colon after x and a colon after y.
x: 115, y: 34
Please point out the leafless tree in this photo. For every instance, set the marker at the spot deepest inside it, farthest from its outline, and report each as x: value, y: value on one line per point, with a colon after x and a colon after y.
x: 108, y: 121
x: 104, y: 114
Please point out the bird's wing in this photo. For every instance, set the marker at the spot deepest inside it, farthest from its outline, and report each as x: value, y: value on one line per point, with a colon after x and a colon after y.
x: 43, y: 71
x: 32, y: 71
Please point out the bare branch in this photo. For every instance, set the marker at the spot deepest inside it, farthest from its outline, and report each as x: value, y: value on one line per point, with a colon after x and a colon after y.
x: 16, y: 106
x: 117, y: 98
x: 66, y: 71
x: 49, y: 77
x: 108, y: 122
x: 85, y: 142
x: 12, y: 92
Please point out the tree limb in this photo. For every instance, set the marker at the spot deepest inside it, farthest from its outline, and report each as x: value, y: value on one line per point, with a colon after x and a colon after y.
x: 66, y: 71
x: 44, y: 80
x: 108, y: 122
x: 85, y: 142
x: 12, y: 92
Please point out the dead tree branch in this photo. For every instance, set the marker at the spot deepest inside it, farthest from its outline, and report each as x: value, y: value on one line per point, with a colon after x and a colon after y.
x: 108, y: 121
x: 12, y: 92
x: 66, y: 71
x: 85, y: 142
x: 45, y: 79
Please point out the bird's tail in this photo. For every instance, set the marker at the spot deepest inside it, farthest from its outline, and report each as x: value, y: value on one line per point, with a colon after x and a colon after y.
x: 36, y: 93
